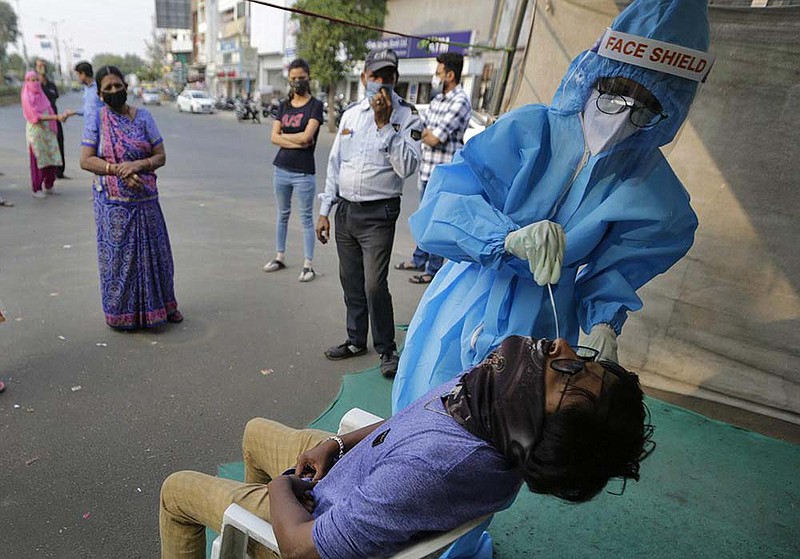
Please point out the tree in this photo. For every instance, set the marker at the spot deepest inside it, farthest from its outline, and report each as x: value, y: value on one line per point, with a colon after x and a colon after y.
x: 16, y: 64
x: 9, y: 31
x: 156, y: 58
x: 128, y: 64
x: 149, y: 74
x: 332, y: 49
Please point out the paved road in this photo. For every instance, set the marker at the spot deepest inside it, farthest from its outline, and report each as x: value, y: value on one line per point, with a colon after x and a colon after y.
x: 80, y: 469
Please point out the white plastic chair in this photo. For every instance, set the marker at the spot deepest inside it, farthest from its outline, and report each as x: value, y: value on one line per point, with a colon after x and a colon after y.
x: 240, y: 525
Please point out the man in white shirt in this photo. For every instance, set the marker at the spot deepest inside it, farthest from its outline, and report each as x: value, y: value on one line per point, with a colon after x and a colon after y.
x: 376, y: 149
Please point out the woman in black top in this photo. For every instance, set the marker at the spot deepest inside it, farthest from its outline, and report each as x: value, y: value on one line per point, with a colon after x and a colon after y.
x: 295, y: 130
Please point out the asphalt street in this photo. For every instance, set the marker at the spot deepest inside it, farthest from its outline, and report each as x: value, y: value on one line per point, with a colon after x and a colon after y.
x: 93, y: 420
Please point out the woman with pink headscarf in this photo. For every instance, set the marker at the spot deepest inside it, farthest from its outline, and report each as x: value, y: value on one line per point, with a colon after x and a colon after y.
x: 40, y: 132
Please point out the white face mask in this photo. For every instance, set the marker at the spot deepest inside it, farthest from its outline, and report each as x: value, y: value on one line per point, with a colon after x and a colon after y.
x: 436, y: 86
x: 602, y: 131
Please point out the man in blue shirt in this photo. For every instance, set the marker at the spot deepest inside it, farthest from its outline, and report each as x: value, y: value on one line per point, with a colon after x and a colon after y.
x: 532, y: 412
x: 91, y: 101
x: 375, y: 150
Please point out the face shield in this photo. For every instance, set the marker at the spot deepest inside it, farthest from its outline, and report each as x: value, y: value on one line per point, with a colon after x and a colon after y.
x: 632, y: 93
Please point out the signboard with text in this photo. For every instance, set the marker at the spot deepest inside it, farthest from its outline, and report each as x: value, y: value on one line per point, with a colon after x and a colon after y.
x: 430, y: 47
x: 656, y: 55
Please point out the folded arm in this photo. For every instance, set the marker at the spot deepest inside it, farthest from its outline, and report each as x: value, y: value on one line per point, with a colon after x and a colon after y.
x: 289, y: 496
x: 297, y: 140
x: 457, y: 118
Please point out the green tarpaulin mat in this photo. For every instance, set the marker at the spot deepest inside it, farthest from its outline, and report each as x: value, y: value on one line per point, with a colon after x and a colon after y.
x: 709, y: 490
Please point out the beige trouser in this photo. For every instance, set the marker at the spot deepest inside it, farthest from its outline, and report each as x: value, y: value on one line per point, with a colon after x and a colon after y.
x: 190, y: 501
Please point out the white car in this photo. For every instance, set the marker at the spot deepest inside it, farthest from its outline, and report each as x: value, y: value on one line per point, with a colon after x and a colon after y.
x: 152, y: 96
x: 195, y: 101
x: 477, y: 122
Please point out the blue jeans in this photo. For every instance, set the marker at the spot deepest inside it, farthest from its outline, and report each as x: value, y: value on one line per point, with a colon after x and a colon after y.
x: 421, y: 258
x: 285, y: 183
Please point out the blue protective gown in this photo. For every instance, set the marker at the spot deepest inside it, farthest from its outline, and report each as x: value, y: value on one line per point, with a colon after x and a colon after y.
x: 626, y: 215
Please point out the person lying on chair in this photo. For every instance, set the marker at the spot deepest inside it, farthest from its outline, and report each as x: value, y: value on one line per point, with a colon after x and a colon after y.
x: 531, y: 412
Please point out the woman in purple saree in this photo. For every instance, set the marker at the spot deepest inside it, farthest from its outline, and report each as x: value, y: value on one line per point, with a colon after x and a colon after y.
x: 123, y: 147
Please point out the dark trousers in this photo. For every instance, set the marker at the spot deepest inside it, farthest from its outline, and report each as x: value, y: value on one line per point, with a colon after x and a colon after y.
x: 364, y: 237
x: 60, y: 170
x: 421, y: 258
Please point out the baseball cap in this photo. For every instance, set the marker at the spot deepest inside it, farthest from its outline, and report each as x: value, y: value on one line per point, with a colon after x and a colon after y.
x: 380, y: 58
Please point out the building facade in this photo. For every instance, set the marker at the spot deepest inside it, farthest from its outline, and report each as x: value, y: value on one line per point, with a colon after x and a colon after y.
x: 242, y: 47
x: 272, y: 34
x: 480, y: 23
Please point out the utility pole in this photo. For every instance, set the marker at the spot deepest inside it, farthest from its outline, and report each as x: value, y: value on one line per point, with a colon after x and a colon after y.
x: 212, y: 29
x: 70, y: 59
x: 508, y: 56
x: 54, y: 25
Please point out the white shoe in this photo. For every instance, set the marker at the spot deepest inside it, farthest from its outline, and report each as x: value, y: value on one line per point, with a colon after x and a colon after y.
x: 50, y: 191
x: 306, y: 275
x: 39, y: 195
x: 274, y: 266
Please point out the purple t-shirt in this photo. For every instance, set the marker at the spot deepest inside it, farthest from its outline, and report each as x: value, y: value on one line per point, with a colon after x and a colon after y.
x: 420, y: 472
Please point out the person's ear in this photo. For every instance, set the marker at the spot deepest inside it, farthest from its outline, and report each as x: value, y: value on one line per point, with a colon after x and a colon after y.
x: 450, y: 76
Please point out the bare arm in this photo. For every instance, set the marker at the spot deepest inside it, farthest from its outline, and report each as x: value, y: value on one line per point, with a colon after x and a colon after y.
x: 297, y: 140
x: 292, y: 522
x: 90, y: 162
x: 127, y: 170
x: 290, y: 500
x: 429, y: 138
x: 307, y: 135
x: 320, y: 459
x: 281, y: 139
x: 62, y: 117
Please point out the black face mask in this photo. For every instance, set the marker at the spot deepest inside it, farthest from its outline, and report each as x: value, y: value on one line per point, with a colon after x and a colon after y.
x: 502, y: 399
x: 301, y: 87
x: 117, y: 99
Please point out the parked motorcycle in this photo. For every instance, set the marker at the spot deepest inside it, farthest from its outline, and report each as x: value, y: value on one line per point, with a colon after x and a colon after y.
x: 247, y: 110
x: 221, y: 103
x: 271, y: 109
x: 224, y: 103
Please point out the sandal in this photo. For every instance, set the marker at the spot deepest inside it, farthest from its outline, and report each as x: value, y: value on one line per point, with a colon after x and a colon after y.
x: 307, y: 275
x: 274, y: 266
x: 6, y: 203
x: 421, y: 279
x: 408, y: 267
x: 175, y: 318
x: 2, y: 386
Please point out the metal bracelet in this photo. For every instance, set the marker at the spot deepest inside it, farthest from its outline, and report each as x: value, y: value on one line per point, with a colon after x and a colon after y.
x: 340, y: 442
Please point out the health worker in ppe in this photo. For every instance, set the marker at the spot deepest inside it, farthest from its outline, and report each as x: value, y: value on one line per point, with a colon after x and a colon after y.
x: 554, y: 216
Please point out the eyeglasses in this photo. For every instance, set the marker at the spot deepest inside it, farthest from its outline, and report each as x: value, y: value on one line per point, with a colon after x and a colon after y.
x: 571, y: 367
x: 640, y: 115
